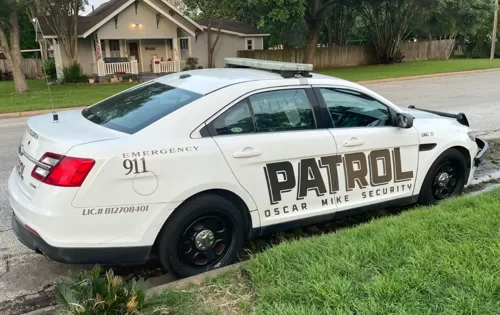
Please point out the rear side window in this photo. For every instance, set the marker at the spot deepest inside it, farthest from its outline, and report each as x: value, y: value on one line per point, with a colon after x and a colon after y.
x: 137, y: 108
x: 273, y: 111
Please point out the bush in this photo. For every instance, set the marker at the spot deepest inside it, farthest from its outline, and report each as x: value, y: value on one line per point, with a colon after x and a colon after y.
x: 191, y: 63
x: 74, y: 74
x: 50, y: 69
x: 88, y: 293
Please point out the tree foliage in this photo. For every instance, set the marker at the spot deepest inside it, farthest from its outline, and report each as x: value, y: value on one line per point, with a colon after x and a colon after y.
x: 62, y: 17
x: 215, y: 11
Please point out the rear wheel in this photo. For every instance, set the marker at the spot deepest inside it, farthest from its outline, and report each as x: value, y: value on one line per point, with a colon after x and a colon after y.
x: 445, y: 179
x: 203, y: 234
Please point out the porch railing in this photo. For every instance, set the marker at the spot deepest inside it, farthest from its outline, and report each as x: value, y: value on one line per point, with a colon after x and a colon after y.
x: 105, y: 68
x: 166, y: 66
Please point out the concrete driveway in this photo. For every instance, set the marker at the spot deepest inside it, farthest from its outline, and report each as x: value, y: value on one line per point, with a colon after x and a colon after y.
x: 25, y: 277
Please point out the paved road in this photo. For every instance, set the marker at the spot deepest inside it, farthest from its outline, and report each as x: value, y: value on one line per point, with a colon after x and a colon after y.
x: 25, y: 274
x: 476, y: 95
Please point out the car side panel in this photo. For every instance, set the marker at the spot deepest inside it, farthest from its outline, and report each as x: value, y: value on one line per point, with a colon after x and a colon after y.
x: 175, y: 170
x: 445, y: 135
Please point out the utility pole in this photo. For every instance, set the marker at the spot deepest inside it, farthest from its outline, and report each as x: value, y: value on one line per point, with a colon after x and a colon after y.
x: 494, y: 37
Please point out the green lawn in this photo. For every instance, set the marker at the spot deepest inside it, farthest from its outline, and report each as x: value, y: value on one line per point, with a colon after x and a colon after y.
x: 63, y: 95
x: 410, y: 68
x: 436, y: 260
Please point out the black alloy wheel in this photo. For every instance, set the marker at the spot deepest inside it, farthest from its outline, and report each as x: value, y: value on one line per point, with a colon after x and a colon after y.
x: 446, y: 178
x: 204, y: 233
x: 445, y: 182
x: 205, y: 241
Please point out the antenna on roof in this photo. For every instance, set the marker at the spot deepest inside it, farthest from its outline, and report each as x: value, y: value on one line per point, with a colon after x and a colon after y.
x: 55, y: 116
x: 286, y: 69
x: 92, y: 8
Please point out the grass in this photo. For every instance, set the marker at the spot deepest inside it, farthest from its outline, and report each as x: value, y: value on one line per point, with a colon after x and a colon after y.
x: 63, y: 95
x: 411, y: 68
x: 435, y: 260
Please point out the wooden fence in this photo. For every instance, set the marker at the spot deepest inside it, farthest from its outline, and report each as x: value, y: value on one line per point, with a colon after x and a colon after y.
x: 345, y: 56
x: 32, y: 67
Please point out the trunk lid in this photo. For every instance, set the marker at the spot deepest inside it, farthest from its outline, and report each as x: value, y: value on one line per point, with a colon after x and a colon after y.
x: 43, y: 135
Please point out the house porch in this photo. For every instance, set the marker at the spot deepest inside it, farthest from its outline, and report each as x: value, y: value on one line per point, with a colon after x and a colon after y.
x: 141, y: 55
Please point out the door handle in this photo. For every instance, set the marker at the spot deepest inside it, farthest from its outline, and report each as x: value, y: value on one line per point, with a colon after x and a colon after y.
x: 353, y: 142
x: 247, y: 152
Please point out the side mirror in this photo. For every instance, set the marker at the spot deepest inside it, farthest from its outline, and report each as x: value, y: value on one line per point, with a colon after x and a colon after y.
x: 404, y: 120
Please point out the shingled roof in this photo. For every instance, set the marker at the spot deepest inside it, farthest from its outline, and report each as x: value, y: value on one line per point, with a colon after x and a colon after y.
x: 232, y: 26
x: 85, y: 23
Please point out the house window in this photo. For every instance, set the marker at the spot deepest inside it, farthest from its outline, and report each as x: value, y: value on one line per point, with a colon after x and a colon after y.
x: 114, y: 48
x: 103, y: 49
x: 184, y: 43
x: 249, y: 44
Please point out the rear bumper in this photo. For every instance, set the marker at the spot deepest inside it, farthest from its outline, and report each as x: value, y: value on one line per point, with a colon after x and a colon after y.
x: 483, y: 151
x: 105, y: 255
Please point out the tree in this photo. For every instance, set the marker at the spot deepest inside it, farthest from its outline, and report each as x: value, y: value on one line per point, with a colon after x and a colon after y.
x: 315, y: 11
x: 339, y: 22
x: 10, y: 40
x: 215, y: 12
x: 390, y: 22
x: 62, y: 18
x: 282, y: 19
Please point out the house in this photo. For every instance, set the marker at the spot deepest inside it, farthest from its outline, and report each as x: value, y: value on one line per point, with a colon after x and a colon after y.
x: 147, y: 36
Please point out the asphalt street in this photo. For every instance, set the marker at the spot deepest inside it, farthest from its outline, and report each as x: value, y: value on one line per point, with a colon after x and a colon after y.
x: 26, y: 275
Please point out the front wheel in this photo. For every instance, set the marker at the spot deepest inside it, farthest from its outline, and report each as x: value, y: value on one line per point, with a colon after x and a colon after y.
x: 445, y: 179
x: 205, y: 233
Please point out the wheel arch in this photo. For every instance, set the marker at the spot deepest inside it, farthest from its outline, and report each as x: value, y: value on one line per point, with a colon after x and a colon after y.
x: 232, y: 197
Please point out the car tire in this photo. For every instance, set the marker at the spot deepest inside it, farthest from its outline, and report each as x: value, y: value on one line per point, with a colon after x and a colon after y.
x: 205, y: 233
x: 445, y: 179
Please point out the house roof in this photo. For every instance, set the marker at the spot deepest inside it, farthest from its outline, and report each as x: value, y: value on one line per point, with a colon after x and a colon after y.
x: 86, y: 23
x: 233, y: 26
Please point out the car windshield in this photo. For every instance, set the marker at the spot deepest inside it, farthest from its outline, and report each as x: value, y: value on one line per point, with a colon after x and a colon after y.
x: 137, y: 108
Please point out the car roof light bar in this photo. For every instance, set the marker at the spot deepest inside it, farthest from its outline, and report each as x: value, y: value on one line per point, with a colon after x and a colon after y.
x: 286, y: 69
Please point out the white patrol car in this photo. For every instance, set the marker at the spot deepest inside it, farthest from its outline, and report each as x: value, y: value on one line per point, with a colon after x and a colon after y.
x: 187, y: 166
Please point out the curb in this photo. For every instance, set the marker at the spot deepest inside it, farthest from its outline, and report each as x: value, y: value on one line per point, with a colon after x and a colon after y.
x: 179, y: 284
x: 36, y: 112
x: 425, y: 76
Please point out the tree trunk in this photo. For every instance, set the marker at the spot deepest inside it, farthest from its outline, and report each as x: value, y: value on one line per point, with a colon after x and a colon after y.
x: 209, y: 47
x: 13, y: 53
x: 312, y: 42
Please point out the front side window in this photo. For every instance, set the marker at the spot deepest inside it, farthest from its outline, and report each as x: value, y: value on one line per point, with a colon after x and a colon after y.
x: 249, y: 44
x: 138, y: 107
x: 282, y: 110
x: 353, y: 109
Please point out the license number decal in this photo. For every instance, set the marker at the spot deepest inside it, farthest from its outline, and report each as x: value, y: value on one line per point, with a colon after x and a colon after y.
x: 115, y: 210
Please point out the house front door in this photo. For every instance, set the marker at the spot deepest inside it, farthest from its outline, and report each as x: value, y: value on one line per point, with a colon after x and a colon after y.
x: 133, y: 50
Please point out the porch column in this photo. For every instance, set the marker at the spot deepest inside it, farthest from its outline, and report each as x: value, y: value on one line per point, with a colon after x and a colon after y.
x: 101, y: 68
x: 177, y: 59
x: 134, y: 67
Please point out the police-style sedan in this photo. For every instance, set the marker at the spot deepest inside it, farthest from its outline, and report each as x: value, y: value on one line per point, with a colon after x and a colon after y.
x: 188, y: 166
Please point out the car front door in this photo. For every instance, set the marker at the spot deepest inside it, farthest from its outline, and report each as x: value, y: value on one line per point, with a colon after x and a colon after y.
x: 271, y: 142
x: 377, y: 160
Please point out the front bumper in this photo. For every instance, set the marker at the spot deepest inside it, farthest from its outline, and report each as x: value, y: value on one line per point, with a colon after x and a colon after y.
x: 103, y: 255
x: 484, y: 148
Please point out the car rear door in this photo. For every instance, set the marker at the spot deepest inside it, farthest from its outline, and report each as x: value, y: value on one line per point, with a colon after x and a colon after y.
x: 378, y: 160
x: 271, y: 142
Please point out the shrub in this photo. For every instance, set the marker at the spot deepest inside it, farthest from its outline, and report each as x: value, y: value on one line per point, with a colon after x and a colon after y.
x: 74, y: 74
x: 191, y: 63
x: 88, y: 292
x: 50, y: 69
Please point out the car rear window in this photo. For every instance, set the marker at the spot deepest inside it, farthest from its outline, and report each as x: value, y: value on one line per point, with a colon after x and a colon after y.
x: 137, y: 108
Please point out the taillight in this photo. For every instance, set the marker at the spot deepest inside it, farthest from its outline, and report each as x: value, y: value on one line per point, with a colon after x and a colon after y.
x: 63, y: 171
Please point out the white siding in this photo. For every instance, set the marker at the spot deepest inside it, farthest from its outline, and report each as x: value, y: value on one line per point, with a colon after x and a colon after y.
x: 147, y: 55
x: 226, y: 47
x: 85, y: 56
x: 145, y: 17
